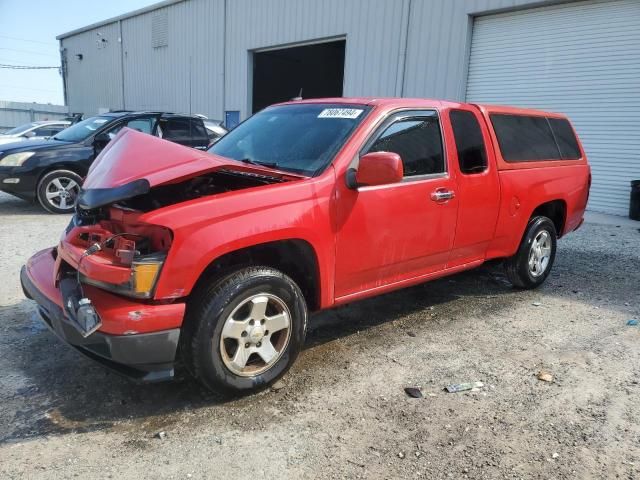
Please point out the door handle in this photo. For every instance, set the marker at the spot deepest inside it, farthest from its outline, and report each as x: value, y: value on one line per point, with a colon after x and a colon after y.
x: 442, y: 195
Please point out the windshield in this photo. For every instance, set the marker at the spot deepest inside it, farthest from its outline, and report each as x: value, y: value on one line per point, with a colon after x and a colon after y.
x: 299, y: 138
x: 19, y: 130
x: 83, y: 129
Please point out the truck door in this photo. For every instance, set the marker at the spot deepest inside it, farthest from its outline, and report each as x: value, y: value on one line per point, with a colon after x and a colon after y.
x: 391, y: 233
x: 477, y: 184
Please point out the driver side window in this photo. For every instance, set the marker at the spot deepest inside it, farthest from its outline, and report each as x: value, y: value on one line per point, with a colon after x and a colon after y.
x: 418, y: 141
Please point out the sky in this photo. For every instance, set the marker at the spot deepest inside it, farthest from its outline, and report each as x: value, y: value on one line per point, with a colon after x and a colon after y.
x: 28, y: 32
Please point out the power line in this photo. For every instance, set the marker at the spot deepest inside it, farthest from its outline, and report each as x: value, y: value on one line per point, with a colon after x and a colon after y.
x: 26, y: 67
x: 25, y: 40
x: 31, y: 52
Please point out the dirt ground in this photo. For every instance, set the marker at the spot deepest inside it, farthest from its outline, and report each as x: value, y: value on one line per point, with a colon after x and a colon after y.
x: 343, y: 412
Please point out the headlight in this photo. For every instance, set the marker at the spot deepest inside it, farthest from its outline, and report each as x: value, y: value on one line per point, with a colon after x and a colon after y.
x: 145, y: 271
x: 16, y: 159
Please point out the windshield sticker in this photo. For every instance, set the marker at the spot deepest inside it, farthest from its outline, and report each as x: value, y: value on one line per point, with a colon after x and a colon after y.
x: 340, y: 113
x: 100, y: 121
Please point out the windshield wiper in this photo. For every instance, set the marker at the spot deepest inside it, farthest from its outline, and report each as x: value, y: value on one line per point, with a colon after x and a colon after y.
x: 262, y: 164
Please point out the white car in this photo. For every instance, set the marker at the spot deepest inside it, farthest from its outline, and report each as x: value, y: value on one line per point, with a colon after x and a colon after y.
x: 34, y: 130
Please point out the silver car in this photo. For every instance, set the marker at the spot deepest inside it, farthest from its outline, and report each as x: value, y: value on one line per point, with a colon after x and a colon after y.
x: 215, y: 130
x: 34, y: 130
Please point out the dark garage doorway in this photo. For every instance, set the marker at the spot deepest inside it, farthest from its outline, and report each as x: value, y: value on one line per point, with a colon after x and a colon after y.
x: 278, y: 75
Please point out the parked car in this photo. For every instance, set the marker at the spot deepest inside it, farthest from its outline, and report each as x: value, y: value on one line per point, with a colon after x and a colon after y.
x: 34, y: 131
x: 215, y: 130
x: 304, y: 206
x: 51, y: 171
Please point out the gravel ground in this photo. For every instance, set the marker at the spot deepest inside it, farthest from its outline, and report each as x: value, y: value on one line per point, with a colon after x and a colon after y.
x: 342, y: 411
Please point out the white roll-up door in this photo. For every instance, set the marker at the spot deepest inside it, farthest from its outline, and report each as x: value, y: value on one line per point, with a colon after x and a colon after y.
x: 581, y: 59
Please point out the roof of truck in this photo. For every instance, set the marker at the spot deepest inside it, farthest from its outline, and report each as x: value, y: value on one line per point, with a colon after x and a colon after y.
x: 421, y: 102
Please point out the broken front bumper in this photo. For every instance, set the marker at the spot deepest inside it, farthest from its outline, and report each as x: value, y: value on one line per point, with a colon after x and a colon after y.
x: 148, y: 356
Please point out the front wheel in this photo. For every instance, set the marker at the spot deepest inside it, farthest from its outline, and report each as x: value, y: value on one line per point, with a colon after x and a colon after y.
x: 244, y: 331
x: 531, y: 264
x: 58, y: 190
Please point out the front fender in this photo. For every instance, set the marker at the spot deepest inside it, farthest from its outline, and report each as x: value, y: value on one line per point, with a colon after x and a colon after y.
x: 209, y: 228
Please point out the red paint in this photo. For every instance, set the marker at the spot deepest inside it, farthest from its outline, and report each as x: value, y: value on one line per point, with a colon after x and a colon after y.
x: 379, y: 168
x: 366, y: 241
x: 133, y: 155
x: 119, y: 315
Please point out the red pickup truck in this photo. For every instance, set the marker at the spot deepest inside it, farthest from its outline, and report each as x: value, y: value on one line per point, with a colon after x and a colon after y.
x: 218, y: 257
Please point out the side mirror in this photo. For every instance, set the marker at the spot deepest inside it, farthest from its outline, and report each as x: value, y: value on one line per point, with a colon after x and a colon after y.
x: 102, y: 139
x: 30, y: 134
x: 376, y: 168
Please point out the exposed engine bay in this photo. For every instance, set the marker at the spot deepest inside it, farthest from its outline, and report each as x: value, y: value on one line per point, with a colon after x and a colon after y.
x: 213, y: 183
x: 139, y: 196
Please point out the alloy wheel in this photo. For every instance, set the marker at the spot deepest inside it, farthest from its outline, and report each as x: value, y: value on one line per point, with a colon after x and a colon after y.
x: 61, y: 192
x: 540, y: 253
x: 255, y: 335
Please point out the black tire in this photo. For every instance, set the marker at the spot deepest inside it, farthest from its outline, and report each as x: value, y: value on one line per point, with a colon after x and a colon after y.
x: 65, y: 201
x: 201, y: 342
x: 518, y: 269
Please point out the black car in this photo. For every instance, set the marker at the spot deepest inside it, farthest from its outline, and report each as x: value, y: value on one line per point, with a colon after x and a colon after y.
x: 51, y: 171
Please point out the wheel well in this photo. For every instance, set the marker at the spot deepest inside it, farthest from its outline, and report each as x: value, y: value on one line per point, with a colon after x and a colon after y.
x: 295, y: 258
x: 556, y: 210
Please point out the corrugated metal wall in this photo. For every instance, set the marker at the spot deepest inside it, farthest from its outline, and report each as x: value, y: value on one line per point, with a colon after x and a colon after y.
x: 13, y: 114
x: 201, y: 61
x: 390, y: 51
x: 93, y: 81
x: 186, y: 74
x: 581, y: 59
x: 372, y: 29
x: 439, y: 33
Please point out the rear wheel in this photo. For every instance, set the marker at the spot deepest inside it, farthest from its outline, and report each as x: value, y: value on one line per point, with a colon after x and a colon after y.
x: 531, y: 264
x: 244, y: 331
x: 58, y: 190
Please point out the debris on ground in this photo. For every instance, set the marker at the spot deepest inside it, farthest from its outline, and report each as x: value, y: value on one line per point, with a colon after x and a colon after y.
x: 400, y: 454
x: 411, y: 334
x: 279, y: 385
x: 462, y: 387
x: 536, y: 304
x: 632, y: 323
x: 555, y: 455
x: 161, y: 435
x: 545, y: 376
x: 413, y: 392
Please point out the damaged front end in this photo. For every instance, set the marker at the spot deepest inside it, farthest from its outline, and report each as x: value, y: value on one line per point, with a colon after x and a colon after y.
x: 97, y: 288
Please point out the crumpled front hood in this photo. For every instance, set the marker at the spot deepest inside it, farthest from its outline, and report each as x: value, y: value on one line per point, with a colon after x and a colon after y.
x: 133, y: 163
x: 133, y: 155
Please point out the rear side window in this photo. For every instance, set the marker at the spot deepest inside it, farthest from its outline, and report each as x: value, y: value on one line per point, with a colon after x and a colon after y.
x: 472, y: 154
x: 525, y: 138
x: 144, y: 125
x: 45, y: 131
x: 567, y: 142
x: 418, y: 142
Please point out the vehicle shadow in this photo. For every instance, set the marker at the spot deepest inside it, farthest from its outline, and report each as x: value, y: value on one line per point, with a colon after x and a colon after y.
x: 66, y: 392
x: 57, y: 391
